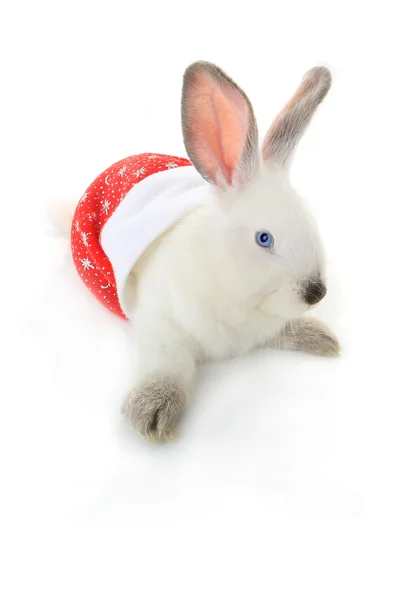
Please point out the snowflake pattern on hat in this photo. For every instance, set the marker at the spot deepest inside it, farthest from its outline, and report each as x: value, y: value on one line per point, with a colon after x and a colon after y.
x: 94, y: 209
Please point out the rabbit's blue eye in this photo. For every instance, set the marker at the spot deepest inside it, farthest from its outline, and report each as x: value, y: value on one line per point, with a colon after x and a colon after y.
x: 264, y: 238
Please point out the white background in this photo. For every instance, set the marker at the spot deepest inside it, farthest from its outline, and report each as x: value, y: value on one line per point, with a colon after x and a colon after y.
x: 285, y: 481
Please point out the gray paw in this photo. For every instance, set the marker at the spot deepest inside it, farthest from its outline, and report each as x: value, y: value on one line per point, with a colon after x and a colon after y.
x: 318, y: 339
x: 154, y: 407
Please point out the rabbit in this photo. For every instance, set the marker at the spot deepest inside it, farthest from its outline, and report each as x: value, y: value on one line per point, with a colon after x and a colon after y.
x: 239, y: 271
x: 232, y: 265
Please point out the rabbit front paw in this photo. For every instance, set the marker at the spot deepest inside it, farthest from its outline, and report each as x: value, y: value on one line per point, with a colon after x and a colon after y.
x: 315, y: 337
x: 306, y: 334
x: 155, y: 406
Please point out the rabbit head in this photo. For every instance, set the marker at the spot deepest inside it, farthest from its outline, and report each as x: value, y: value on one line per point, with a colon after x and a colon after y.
x: 260, y: 229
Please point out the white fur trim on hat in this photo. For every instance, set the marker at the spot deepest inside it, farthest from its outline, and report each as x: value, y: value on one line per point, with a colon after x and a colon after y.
x: 149, y: 209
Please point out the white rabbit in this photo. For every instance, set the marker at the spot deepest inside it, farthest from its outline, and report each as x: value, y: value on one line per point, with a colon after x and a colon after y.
x: 210, y: 259
x: 239, y: 270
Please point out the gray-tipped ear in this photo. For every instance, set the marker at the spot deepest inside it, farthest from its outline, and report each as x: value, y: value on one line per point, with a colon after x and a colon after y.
x: 289, y: 126
x: 218, y: 124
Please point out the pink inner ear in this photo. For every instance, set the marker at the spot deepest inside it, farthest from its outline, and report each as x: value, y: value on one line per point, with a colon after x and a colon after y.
x: 218, y: 126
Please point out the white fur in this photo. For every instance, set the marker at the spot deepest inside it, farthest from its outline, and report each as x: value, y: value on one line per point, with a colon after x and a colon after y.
x: 60, y: 214
x: 206, y: 290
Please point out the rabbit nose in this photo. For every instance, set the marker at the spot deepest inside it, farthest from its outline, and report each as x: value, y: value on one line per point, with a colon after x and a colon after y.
x: 314, y: 291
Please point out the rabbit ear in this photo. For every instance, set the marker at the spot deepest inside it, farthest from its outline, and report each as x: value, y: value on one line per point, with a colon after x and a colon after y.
x: 288, y: 127
x: 219, y: 128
